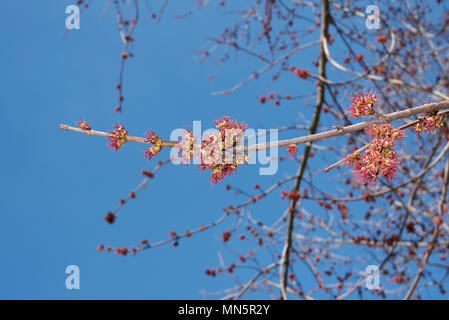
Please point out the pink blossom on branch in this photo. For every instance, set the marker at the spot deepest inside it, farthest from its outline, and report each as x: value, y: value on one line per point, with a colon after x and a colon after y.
x: 157, y: 142
x: 291, y: 149
x: 384, y: 135
x: 117, y: 137
x: 152, y: 151
x: 362, y: 105
x: 429, y: 124
x: 302, y: 73
x: 224, y: 123
x: 379, y: 159
x: 375, y: 162
x: 217, y: 150
x: 214, y: 149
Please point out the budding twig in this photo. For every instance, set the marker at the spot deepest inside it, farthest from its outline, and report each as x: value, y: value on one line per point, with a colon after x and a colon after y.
x: 425, y: 108
x: 106, y: 134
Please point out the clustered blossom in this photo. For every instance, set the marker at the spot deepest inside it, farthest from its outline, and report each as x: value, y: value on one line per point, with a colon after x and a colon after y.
x: 83, y: 125
x: 429, y: 123
x: 291, y: 149
x: 117, y: 137
x: 302, y: 73
x: 362, y: 105
x: 379, y: 159
x: 218, y: 149
x: 153, y: 138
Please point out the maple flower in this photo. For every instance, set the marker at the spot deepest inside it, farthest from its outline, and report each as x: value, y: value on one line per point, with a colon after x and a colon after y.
x: 83, y: 125
x: 153, y: 138
x: 379, y: 159
x: 302, y: 73
x: 224, y: 123
x: 152, y: 151
x: 384, y: 135
x: 352, y: 159
x: 218, y: 149
x: 429, y: 123
x: 375, y: 162
x: 291, y: 149
x: 117, y: 137
x: 362, y: 105
x: 186, y: 146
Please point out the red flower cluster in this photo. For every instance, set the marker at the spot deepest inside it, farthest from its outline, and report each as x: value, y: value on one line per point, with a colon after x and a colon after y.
x: 429, y: 123
x: 224, y: 123
x: 117, y: 137
x: 153, y: 138
x: 291, y: 149
x: 379, y: 159
x: 362, y: 105
x: 218, y: 149
x: 302, y: 73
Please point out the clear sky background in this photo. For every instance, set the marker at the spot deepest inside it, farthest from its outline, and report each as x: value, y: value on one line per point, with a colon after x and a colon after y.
x: 56, y: 186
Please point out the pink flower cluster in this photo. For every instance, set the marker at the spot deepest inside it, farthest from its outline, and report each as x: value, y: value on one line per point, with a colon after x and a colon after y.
x: 302, y: 73
x: 429, y: 123
x: 218, y: 150
x: 153, y: 138
x: 291, y: 149
x: 117, y: 137
x: 379, y: 159
x: 362, y: 105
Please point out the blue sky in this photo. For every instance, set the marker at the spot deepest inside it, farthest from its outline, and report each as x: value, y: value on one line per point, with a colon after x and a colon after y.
x: 57, y: 185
